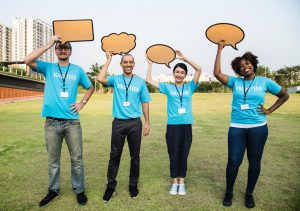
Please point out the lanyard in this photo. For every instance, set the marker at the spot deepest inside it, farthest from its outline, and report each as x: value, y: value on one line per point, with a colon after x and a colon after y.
x: 180, y: 96
x: 127, y: 87
x: 246, y: 91
x: 63, y: 78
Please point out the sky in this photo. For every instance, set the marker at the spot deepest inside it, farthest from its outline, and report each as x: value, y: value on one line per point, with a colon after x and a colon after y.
x: 272, y: 28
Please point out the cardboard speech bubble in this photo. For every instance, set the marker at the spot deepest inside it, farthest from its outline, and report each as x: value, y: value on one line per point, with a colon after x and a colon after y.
x: 161, y: 54
x: 230, y: 33
x: 74, y: 30
x: 118, y: 43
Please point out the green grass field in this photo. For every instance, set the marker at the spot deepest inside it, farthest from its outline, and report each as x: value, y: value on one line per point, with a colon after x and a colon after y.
x: 24, y: 170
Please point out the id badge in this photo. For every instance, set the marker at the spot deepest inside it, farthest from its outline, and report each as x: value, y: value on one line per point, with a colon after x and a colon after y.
x: 244, y: 106
x: 64, y: 94
x: 126, y: 103
x: 181, y: 111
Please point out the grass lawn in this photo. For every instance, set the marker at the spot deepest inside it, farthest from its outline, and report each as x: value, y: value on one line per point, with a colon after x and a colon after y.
x: 24, y: 170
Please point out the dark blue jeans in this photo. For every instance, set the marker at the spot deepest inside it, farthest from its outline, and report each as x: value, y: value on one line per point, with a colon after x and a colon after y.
x: 239, y: 139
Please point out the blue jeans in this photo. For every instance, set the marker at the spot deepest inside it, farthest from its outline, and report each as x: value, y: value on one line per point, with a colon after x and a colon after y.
x: 55, y: 132
x: 240, y: 139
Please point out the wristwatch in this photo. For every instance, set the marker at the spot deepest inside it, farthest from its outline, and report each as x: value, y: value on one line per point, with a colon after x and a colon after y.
x: 84, y: 101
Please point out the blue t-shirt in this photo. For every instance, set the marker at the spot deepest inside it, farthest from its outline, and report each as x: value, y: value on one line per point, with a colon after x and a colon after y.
x: 254, y: 97
x: 174, y: 118
x: 54, y: 105
x: 137, y: 94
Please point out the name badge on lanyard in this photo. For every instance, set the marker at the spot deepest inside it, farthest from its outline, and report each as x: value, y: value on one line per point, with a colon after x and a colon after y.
x: 181, y: 111
x: 245, y: 106
x: 64, y: 94
x: 127, y: 103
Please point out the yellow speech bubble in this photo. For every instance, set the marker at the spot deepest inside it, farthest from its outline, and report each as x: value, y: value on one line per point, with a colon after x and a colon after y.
x: 161, y: 54
x: 230, y: 33
x: 74, y: 30
x: 118, y: 43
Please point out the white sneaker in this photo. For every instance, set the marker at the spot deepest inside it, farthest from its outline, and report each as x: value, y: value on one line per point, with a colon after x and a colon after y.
x: 181, y: 189
x: 173, y: 189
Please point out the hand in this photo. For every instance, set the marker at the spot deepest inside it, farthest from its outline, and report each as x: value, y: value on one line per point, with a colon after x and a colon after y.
x: 262, y: 110
x: 221, y: 45
x: 179, y: 55
x: 75, y: 108
x: 54, y: 39
x: 109, y: 54
x: 148, y: 60
x: 146, y: 129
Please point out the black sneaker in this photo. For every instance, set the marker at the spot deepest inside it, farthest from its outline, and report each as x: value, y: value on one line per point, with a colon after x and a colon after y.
x: 249, y: 200
x: 134, y: 192
x: 81, y: 198
x: 109, y: 192
x: 227, y: 201
x: 47, y: 199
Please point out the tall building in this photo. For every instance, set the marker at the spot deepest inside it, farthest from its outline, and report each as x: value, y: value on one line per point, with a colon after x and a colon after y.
x: 5, y: 43
x: 29, y: 34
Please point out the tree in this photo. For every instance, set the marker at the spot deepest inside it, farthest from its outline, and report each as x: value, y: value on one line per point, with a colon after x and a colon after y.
x: 291, y: 75
x: 95, y: 69
x: 264, y: 71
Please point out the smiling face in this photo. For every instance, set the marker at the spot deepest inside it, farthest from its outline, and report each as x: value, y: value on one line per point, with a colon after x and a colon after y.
x: 179, y: 75
x: 246, y: 68
x: 127, y: 63
x: 63, y: 52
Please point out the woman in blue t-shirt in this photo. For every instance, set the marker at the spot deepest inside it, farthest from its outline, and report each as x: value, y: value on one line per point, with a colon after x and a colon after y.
x: 180, y: 119
x: 248, y: 127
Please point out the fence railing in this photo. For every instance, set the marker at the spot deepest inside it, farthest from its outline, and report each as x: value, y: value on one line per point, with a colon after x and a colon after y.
x: 22, y: 72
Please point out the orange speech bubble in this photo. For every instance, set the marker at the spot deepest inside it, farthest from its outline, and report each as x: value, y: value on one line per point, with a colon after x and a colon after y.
x: 161, y: 54
x: 231, y: 34
x: 118, y: 43
x: 74, y: 30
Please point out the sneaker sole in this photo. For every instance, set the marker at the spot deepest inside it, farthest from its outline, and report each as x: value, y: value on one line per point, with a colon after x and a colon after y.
x: 109, y: 199
x: 51, y: 201
x: 135, y: 196
x: 173, y: 193
x: 181, y: 194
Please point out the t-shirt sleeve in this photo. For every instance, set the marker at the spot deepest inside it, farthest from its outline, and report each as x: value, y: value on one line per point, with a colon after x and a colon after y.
x: 162, y: 88
x: 145, y: 96
x: 84, y: 80
x: 272, y: 86
x: 41, y: 67
x: 110, y: 81
x: 193, y: 85
x: 230, y: 82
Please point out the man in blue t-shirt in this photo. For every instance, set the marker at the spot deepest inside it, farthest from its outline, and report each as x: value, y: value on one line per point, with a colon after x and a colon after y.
x: 130, y: 92
x: 61, y: 112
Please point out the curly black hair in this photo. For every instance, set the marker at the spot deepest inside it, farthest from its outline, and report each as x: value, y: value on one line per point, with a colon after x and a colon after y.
x: 248, y: 56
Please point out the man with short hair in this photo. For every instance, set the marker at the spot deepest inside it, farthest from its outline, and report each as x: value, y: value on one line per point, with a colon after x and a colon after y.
x: 130, y: 94
x: 61, y: 112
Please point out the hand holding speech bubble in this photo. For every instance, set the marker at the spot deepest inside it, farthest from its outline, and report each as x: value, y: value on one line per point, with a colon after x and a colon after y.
x: 227, y: 32
x: 118, y: 43
x: 74, y: 30
x: 161, y: 54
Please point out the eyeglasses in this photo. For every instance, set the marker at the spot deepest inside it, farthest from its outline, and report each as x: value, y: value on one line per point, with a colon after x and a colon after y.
x: 66, y: 48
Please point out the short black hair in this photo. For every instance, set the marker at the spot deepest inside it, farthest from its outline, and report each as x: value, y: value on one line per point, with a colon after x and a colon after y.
x: 181, y: 65
x: 248, y: 56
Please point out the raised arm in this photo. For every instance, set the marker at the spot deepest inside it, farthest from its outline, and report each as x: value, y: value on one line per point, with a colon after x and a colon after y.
x: 149, y: 74
x: 34, y: 55
x: 223, y: 78
x: 196, y: 67
x: 101, y: 77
